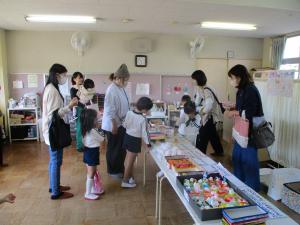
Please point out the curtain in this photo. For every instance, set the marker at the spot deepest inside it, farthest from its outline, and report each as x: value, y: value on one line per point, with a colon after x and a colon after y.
x: 284, y: 114
x: 278, y: 45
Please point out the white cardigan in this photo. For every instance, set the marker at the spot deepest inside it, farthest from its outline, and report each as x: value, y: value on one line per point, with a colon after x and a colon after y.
x: 51, y: 101
x: 116, y: 106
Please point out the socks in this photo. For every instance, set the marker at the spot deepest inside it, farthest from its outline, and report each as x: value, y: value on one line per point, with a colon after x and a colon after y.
x: 88, y: 192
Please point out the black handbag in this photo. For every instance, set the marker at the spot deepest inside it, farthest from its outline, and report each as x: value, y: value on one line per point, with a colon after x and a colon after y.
x: 262, y: 136
x: 59, y: 132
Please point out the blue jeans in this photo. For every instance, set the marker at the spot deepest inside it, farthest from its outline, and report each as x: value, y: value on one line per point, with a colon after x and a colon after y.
x: 55, y: 162
x: 246, y: 165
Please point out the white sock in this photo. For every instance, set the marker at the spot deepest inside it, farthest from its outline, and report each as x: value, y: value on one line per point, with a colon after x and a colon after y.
x: 89, y: 185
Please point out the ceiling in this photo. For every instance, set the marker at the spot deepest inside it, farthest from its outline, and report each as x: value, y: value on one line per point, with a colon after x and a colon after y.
x: 272, y: 17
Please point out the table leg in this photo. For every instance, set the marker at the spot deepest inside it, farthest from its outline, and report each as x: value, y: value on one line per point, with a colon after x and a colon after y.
x: 145, y: 159
x: 158, y: 176
x: 159, y: 200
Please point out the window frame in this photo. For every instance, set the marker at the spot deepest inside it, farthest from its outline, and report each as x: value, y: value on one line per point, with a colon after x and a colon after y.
x: 295, y: 60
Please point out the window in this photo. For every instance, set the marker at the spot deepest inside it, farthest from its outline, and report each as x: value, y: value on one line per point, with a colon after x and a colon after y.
x: 291, y: 56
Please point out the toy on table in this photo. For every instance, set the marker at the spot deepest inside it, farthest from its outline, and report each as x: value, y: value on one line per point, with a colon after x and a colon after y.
x: 213, y: 192
x: 182, y: 164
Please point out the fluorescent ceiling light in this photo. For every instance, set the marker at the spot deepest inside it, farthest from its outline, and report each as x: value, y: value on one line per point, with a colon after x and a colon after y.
x: 228, y: 26
x: 60, y: 19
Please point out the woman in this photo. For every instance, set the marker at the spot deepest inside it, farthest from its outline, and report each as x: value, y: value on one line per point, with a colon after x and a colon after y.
x: 245, y: 160
x: 210, y: 113
x: 77, y: 82
x: 116, y: 106
x: 53, y: 100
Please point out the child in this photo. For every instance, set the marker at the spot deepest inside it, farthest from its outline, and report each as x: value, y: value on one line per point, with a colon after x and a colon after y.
x: 183, y: 117
x: 136, y: 128
x: 191, y: 123
x: 10, y: 198
x: 85, y: 94
x: 91, y: 142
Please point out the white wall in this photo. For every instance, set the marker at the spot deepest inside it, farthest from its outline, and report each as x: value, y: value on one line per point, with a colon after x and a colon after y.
x: 3, y: 74
x: 35, y: 51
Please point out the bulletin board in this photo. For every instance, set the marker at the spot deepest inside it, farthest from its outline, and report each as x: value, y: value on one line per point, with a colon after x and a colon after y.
x: 17, y: 93
x: 158, y: 85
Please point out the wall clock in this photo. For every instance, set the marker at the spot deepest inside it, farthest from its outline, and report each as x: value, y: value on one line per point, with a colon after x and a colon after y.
x: 140, y: 60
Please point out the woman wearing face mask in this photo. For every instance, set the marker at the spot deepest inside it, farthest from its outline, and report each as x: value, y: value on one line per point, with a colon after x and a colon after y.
x: 116, y: 106
x: 53, y: 100
x: 210, y: 113
x: 245, y: 160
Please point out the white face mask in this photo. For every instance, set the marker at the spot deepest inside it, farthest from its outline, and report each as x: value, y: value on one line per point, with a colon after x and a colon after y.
x: 62, y: 79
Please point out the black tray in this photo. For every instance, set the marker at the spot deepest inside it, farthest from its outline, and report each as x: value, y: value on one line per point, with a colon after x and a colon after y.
x: 208, y: 214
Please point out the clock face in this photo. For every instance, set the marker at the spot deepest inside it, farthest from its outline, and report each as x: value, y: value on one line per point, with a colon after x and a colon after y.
x: 141, y: 60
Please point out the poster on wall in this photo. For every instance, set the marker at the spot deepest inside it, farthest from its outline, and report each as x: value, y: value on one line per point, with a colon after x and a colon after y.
x: 142, y: 89
x: 32, y: 80
x: 17, y: 84
x: 280, y: 83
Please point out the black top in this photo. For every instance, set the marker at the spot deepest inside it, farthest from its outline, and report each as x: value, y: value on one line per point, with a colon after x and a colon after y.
x: 248, y: 99
x: 73, y: 92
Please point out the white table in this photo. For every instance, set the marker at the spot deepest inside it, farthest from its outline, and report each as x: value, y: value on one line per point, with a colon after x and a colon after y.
x: 210, y: 166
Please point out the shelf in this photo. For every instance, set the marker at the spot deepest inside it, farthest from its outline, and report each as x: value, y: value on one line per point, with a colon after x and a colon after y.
x: 25, y: 139
x: 23, y: 124
x: 19, y: 109
x: 18, y: 127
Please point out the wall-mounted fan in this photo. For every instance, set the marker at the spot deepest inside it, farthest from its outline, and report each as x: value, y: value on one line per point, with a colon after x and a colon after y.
x: 81, y: 41
x: 196, y: 47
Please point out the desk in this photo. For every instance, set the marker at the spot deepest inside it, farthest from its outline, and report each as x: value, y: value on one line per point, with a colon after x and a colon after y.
x: 210, y: 166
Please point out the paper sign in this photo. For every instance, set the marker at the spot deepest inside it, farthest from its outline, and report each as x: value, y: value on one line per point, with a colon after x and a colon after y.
x: 142, y: 89
x: 32, y: 80
x: 17, y: 84
x: 280, y: 83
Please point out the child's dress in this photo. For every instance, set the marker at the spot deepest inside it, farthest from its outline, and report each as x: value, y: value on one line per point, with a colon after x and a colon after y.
x: 136, y: 130
x: 91, y: 142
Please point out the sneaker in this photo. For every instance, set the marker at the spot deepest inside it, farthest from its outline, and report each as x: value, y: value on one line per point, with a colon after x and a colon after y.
x: 131, y: 181
x: 98, y: 192
x: 91, y: 197
x: 62, y: 195
x: 128, y: 185
x: 73, y: 118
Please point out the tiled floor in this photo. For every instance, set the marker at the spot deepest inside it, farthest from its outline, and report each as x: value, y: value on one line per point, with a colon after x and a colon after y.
x: 27, y: 177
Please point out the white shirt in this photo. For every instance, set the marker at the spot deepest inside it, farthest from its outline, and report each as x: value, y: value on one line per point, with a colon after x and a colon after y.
x: 116, y: 105
x: 136, y: 126
x: 51, y: 101
x: 181, y: 122
x: 191, y: 128
x: 208, y: 106
x: 92, y: 139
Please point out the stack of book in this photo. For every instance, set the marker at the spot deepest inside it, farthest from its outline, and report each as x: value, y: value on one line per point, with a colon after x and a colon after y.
x: 248, y: 215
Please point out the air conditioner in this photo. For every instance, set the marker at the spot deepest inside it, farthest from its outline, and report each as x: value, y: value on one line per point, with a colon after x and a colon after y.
x: 141, y: 45
x: 261, y: 75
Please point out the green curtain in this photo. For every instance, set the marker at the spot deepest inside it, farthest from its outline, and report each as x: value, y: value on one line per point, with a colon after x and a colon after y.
x: 278, y: 45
